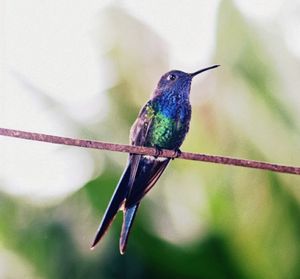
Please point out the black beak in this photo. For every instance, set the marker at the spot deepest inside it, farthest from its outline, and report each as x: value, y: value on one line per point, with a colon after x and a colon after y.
x: 203, y: 70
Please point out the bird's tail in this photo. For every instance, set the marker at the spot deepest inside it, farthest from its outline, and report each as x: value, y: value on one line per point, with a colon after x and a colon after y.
x: 128, y: 218
x: 114, y: 205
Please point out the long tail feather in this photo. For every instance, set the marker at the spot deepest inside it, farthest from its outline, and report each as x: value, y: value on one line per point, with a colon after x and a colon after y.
x: 128, y: 218
x: 114, y: 205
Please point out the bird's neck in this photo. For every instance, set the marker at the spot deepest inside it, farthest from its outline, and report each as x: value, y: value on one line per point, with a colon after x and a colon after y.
x: 170, y: 103
x: 174, y: 97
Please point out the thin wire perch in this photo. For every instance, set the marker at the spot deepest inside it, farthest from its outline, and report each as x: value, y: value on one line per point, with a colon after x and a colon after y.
x: 150, y: 151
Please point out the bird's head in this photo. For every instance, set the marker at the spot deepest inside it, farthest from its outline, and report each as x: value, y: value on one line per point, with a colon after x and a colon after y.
x: 178, y: 80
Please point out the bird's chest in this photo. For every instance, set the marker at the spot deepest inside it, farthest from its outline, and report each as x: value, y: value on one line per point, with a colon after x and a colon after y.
x: 170, y: 125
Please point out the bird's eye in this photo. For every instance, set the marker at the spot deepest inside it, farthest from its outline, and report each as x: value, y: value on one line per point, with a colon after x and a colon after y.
x: 171, y: 77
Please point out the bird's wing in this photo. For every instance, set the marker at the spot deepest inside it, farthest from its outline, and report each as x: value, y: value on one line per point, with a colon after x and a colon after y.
x: 140, y: 128
x: 138, y: 136
x: 148, y: 168
x: 148, y: 172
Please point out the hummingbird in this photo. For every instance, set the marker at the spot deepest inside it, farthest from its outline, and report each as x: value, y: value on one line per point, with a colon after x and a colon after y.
x: 162, y: 123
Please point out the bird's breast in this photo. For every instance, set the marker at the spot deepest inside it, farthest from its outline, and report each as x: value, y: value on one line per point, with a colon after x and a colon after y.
x: 170, y: 125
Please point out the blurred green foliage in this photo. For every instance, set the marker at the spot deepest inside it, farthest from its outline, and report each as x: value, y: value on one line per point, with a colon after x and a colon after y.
x: 245, y: 223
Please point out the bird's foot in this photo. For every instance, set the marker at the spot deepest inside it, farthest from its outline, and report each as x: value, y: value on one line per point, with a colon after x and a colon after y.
x: 158, y: 152
x: 177, y: 153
